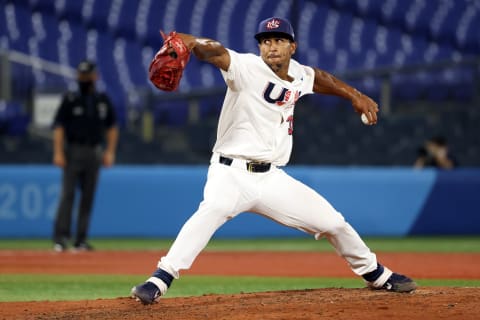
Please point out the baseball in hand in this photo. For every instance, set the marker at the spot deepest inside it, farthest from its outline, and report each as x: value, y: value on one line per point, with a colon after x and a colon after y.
x: 364, y: 118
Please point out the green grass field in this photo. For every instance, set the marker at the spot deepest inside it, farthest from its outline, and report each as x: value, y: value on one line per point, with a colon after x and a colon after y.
x: 390, y: 244
x: 16, y: 287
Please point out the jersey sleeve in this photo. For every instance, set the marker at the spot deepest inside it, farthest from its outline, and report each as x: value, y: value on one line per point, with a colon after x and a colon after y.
x: 306, y: 75
x: 235, y: 76
x: 308, y: 80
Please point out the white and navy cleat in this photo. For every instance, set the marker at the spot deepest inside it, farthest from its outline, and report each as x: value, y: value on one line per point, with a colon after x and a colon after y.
x: 146, y: 293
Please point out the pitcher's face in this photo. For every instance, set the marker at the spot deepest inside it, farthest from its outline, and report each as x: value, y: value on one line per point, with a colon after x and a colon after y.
x: 276, y: 51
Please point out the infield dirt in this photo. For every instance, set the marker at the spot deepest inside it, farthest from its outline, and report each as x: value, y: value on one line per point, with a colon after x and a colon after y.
x: 331, y: 303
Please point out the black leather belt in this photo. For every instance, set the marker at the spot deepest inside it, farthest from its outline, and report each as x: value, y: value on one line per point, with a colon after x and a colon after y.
x: 251, y: 166
x: 83, y: 144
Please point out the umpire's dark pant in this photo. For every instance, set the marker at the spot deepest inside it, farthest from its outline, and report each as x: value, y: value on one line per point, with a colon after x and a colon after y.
x: 83, y: 164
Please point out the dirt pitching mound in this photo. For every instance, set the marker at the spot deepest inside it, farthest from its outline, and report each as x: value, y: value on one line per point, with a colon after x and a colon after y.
x: 360, y: 304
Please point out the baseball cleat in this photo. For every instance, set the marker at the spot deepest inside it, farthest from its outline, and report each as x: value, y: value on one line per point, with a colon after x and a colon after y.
x: 82, y: 246
x: 146, y: 293
x: 59, y: 247
x: 399, y: 283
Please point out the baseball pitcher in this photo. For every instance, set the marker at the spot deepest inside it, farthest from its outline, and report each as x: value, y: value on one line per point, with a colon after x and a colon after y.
x: 254, y: 142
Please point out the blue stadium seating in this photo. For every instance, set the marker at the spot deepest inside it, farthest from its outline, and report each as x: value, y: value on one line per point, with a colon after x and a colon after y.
x: 123, y: 35
x: 154, y: 19
x: 98, y: 17
x: 13, y: 121
x: 443, y: 26
x: 210, y: 20
x: 75, y: 37
x: 125, y: 26
x: 133, y: 55
x: 46, y: 35
x: 4, y: 43
x: 336, y: 35
x: 469, y: 39
x: 46, y: 6
x: 70, y: 10
x: 19, y: 28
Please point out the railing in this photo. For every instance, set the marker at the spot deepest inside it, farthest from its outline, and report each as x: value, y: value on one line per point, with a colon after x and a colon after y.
x: 384, y: 74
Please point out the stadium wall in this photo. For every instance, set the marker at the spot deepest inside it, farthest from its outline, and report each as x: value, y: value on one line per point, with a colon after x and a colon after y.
x: 155, y: 201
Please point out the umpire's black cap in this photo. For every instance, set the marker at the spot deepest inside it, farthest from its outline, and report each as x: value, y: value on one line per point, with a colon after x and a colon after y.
x: 275, y: 26
x: 86, y: 66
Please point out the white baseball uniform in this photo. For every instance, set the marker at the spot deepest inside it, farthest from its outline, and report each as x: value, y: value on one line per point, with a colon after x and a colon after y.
x: 256, y: 124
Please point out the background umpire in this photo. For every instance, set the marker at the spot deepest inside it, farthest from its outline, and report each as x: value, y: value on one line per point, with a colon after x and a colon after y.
x: 85, y: 134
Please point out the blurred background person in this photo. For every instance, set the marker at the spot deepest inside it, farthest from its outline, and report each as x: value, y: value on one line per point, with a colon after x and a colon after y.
x: 435, y: 154
x: 85, y: 135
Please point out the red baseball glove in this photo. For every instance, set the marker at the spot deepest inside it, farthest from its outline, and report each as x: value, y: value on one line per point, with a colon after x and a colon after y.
x: 167, y: 66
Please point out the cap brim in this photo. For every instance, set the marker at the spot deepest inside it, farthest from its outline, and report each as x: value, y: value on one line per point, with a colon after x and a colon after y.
x: 263, y: 35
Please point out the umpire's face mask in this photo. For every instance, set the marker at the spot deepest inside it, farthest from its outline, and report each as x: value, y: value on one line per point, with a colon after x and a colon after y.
x: 86, y: 87
x: 86, y: 82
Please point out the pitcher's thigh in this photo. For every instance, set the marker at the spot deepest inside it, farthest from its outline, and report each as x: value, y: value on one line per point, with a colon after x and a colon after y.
x: 293, y: 203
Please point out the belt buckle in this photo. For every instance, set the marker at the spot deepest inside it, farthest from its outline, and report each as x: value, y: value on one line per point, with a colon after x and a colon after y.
x: 252, y: 165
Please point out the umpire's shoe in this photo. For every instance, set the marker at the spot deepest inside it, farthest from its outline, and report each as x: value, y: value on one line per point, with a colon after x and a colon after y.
x: 156, y: 286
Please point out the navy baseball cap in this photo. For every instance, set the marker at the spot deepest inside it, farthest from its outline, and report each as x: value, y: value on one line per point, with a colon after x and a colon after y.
x: 275, y: 27
x: 86, y: 66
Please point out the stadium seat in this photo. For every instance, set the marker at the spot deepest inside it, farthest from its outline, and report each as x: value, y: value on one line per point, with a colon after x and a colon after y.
x: 209, y: 20
x: 46, y: 35
x: 19, y: 26
x: 154, y: 22
x: 387, y: 42
x: 368, y: 9
x: 98, y: 17
x: 467, y: 35
x: 192, y: 75
x: 315, y: 39
x: 138, y: 74
x: 369, y: 31
x: 417, y: 19
x: 4, y: 39
x: 46, y: 6
x: 232, y: 34
x: 393, y: 12
x: 414, y: 48
x: 445, y: 52
x: 125, y: 26
x: 107, y: 66
x: 445, y: 20
x: 343, y: 33
x: 13, y: 121
x: 73, y: 42
x: 71, y: 11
